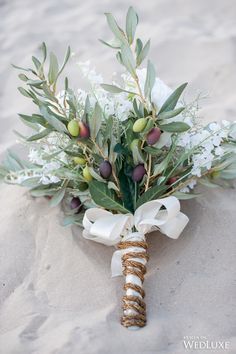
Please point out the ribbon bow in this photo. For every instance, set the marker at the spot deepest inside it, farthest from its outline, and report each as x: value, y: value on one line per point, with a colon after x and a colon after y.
x: 104, y: 227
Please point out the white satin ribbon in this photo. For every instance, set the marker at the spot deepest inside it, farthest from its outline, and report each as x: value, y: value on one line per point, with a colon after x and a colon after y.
x: 104, y: 227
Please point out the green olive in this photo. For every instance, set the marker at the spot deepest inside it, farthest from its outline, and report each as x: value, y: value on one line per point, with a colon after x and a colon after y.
x: 87, y: 175
x: 73, y: 127
x: 139, y: 125
x: 135, y: 143
x: 79, y: 160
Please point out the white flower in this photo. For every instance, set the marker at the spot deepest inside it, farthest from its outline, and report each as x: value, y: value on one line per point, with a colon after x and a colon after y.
x: 35, y: 157
x: 160, y: 93
x: 51, y: 166
x: 219, y: 151
x: 190, y: 186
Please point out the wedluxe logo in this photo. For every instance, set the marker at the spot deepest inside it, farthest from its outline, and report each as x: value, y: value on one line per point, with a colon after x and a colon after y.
x: 203, y: 343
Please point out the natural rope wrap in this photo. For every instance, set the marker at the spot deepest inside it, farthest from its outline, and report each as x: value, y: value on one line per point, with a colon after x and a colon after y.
x: 133, y: 263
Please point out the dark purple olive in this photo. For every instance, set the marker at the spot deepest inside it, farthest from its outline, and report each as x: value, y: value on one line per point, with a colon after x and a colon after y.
x: 172, y: 180
x: 105, y: 169
x: 153, y: 136
x: 75, y: 203
x: 138, y: 173
x: 84, y: 131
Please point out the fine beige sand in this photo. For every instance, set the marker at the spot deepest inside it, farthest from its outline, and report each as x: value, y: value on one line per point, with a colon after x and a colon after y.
x: 56, y: 292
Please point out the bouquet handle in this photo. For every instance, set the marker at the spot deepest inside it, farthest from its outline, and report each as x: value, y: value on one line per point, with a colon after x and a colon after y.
x: 134, y: 261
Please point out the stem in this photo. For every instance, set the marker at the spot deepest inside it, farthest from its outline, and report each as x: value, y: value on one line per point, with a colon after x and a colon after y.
x: 149, y: 171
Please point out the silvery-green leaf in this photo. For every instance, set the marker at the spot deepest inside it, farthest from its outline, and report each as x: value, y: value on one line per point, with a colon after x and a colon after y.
x: 115, y: 43
x: 185, y: 196
x: 3, y: 172
x: 24, y: 69
x: 175, y: 127
x: 141, y: 54
x: 150, y: 79
x: 23, y: 77
x: 11, y: 163
x: 36, y: 62
x: 111, y: 185
x: 96, y: 176
x: 131, y: 24
x: 153, y: 151
x: 67, y: 57
x: 117, y: 31
x: 105, y: 197
x: 128, y: 59
x: 52, y: 120
x: 138, y: 156
x: 40, y: 135
x: 119, y: 58
x: 206, y: 182
x: 44, y: 50
x: 172, y: 100
x: 30, y: 182
x: 114, y: 89
x: 35, y: 118
x: 57, y: 198
x: 22, y: 163
x: 229, y: 173
x: 24, y: 92
x: 138, y: 46
x: 160, y: 167
x: 73, y: 219
x: 35, y: 83
x: 95, y: 121
x: 53, y: 68
x: 170, y: 114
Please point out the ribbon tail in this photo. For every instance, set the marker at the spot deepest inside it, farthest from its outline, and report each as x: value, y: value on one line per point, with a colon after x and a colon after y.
x: 174, y: 227
x: 116, y: 264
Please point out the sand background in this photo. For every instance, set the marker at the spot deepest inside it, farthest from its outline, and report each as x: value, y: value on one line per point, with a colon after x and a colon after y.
x: 56, y: 294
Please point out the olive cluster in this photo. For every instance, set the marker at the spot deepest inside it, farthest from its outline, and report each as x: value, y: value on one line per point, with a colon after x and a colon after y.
x: 151, y: 138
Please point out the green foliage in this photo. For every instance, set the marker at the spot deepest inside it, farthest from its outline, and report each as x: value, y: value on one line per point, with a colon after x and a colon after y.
x: 175, y: 127
x: 171, y: 102
x: 105, y: 197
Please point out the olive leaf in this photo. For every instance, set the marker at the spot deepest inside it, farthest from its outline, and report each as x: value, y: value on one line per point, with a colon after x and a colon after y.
x: 40, y: 135
x: 114, y: 89
x: 128, y: 59
x: 53, y: 68
x: 172, y: 100
x: 150, y: 79
x: 170, y: 114
x: 117, y: 31
x: 24, y: 92
x: 138, y: 46
x: 105, y: 197
x: 142, y: 52
x: 150, y: 194
x: 57, y: 198
x: 95, y: 121
x: 23, y: 77
x: 35, y: 118
x: 52, y: 120
x: 175, y: 127
x: 185, y: 196
x: 131, y: 24
x: 67, y: 57
x: 115, y: 43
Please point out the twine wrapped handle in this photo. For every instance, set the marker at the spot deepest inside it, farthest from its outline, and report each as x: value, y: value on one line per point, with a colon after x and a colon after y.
x: 131, y: 257
x: 134, y: 269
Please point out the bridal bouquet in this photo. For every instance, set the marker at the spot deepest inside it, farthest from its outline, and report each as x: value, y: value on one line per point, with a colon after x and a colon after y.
x: 120, y: 156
